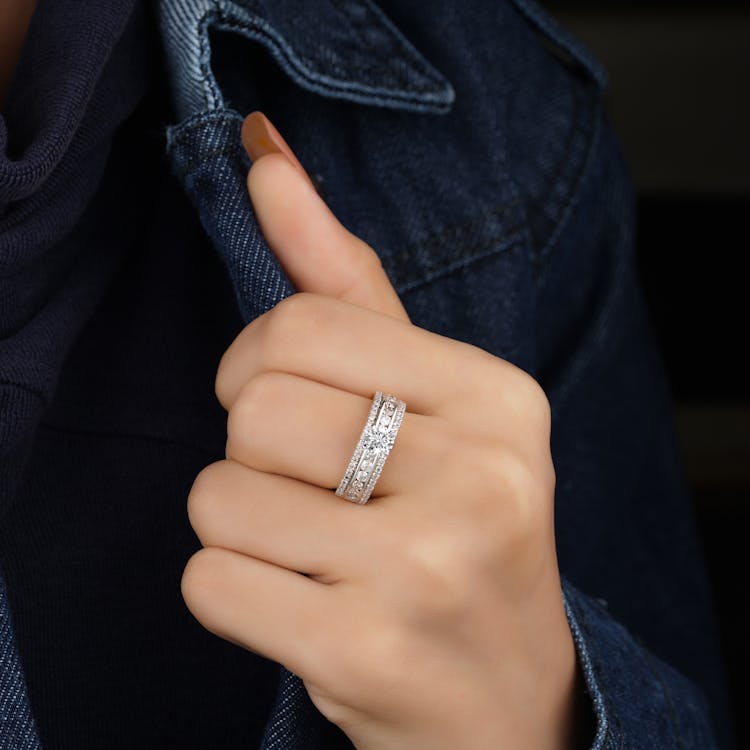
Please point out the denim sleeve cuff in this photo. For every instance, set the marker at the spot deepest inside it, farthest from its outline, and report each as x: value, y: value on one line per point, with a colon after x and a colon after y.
x: 638, y: 700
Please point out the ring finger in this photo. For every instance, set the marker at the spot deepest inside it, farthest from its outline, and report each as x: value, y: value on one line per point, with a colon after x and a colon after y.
x: 290, y: 425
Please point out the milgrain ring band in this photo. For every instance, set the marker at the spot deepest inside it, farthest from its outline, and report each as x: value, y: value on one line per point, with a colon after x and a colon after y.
x: 373, y: 447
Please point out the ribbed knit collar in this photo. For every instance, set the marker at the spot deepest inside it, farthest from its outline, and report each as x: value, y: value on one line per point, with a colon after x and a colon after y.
x: 73, y: 85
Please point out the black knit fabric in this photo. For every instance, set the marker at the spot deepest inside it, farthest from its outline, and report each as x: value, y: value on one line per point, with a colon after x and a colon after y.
x: 115, y: 312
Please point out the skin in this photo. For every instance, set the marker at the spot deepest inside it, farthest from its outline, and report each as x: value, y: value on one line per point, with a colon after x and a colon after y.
x: 431, y: 617
x: 15, y: 16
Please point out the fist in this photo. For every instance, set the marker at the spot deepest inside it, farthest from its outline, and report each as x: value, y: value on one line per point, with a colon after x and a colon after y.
x: 431, y: 617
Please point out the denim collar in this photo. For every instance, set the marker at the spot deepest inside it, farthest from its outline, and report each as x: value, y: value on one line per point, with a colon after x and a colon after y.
x: 344, y: 49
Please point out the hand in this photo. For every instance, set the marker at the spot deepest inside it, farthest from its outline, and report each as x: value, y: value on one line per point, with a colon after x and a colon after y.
x: 432, y: 616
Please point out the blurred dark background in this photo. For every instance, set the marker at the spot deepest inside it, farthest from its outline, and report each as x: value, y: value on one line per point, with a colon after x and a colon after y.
x: 679, y: 100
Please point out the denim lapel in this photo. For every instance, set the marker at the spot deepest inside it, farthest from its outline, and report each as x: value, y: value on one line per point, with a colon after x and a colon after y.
x: 17, y: 727
x: 344, y: 49
x: 339, y: 48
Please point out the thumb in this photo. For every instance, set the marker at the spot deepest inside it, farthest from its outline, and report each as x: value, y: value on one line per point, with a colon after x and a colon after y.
x: 316, y: 251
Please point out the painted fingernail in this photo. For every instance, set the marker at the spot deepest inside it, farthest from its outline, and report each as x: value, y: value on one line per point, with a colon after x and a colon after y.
x: 260, y: 137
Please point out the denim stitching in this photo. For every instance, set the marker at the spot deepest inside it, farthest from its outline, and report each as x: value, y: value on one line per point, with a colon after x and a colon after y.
x: 431, y: 269
x: 562, y: 38
x: 194, y: 122
x: 227, y: 20
x: 573, y: 199
x: 204, y: 61
x: 453, y: 228
x: 475, y: 219
x: 322, y: 79
x: 358, y: 26
x: 564, y: 209
x: 569, y: 153
x: 608, y: 736
x: 503, y: 243
x: 597, y: 331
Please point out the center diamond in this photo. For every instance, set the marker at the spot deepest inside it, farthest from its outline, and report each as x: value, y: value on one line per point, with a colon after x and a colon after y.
x: 375, y: 441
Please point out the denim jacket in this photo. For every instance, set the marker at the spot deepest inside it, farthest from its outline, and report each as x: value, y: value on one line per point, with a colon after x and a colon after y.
x: 468, y: 145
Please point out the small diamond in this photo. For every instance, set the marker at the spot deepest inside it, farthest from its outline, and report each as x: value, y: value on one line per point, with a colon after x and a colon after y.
x: 362, y: 475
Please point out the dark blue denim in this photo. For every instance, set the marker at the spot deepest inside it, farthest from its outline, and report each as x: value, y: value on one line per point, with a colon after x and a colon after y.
x: 469, y: 148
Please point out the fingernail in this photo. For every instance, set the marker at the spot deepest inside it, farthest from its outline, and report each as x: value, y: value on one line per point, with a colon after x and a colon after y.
x: 260, y: 137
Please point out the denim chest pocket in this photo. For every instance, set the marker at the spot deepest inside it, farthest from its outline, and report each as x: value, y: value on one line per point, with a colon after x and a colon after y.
x: 409, y: 132
x: 555, y: 125
x: 339, y: 80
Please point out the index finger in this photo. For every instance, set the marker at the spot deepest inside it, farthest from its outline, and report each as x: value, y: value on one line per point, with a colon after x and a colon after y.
x: 349, y: 347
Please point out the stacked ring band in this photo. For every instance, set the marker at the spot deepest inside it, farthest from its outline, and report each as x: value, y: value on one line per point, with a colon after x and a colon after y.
x: 373, y: 447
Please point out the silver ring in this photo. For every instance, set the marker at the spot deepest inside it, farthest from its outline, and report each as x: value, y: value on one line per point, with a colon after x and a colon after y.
x: 373, y: 447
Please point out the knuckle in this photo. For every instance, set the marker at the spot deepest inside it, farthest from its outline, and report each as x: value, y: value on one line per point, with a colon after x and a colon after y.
x: 261, y: 389
x: 527, y: 400
x: 204, y: 495
x: 224, y: 379
x: 290, y: 319
x: 534, y: 401
x: 364, y: 264
x: 523, y: 507
x: 291, y: 305
x: 221, y: 387
x: 484, y: 468
x: 228, y: 378
x: 507, y: 503
x: 276, y: 333
x: 276, y: 330
x: 200, y: 579
x: 439, y: 569
x: 368, y: 256
x: 255, y: 399
x: 515, y: 477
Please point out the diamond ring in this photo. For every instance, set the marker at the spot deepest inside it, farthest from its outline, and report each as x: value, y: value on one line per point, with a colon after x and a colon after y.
x: 373, y: 447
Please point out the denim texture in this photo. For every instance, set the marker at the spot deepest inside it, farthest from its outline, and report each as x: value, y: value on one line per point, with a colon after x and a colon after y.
x: 470, y: 149
x: 17, y: 727
x: 329, y: 62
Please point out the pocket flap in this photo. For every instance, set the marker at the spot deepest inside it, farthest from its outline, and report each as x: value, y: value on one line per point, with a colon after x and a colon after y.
x: 346, y: 49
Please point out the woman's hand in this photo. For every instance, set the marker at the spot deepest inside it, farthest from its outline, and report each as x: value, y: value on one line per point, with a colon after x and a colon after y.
x: 431, y: 617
